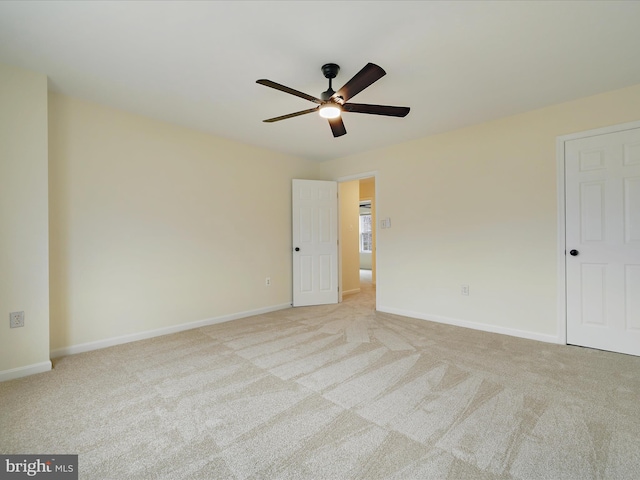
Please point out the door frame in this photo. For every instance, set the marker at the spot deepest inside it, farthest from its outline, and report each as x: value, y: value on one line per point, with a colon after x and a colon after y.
x: 561, y: 215
x: 348, y: 178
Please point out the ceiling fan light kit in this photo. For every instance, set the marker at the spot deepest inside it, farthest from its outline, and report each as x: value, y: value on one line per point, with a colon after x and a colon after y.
x: 331, y: 104
x: 329, y: 110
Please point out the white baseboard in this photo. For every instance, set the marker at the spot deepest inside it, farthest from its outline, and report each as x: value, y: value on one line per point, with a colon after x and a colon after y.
x: 25, y: 371
x: 351, y: 292
x: 474, y: 325
x: 110, y: 342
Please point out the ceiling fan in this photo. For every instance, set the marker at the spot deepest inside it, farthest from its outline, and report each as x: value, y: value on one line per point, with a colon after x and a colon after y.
x: 331, y: 104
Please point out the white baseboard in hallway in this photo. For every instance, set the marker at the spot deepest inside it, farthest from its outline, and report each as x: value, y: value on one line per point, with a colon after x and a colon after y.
x: 351, y: 292
x: 110, y: 342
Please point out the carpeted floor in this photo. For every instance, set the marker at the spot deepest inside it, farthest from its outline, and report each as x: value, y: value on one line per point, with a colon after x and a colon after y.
x: 333, y: 392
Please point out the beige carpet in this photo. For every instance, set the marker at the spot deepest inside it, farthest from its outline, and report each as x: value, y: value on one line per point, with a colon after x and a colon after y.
x: 333, y: 392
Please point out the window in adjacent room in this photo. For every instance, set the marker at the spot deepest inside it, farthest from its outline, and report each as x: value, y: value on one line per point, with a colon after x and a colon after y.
x: 366, y: 238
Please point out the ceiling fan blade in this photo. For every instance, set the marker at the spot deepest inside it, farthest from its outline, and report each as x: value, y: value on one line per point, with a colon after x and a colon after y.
x: 369, y: 74
x: 376, y: 109
x: 337, y: 126
x: 282, y: 88
x: 290, y: 115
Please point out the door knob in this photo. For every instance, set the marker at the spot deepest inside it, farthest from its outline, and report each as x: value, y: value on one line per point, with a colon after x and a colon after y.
x: 574, y: 253
x: 297, y: 249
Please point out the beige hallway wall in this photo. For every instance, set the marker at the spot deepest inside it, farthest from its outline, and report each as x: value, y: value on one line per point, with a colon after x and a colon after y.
x: 349, y: 234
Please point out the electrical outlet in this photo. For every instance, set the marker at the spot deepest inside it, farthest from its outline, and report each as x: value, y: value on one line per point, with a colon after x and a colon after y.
x: 464, y: 290
x: 267, y: 281
x: 16, y: 319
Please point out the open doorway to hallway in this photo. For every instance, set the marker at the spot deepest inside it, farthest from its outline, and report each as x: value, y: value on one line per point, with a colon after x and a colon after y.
x: 358, y: 238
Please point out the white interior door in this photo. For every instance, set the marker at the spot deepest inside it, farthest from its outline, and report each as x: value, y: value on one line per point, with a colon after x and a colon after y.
x: 315, y: 242
x: 602, y: 175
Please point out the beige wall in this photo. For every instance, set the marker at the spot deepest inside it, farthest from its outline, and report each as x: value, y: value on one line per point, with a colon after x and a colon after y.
x: 367, y: 188
x: 349, y: 193
x: 154, y: 226
x: 24, y: 256
x: 477, y: 207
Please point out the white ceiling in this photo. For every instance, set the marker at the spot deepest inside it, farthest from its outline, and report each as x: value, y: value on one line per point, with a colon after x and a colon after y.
x: 196, y: 63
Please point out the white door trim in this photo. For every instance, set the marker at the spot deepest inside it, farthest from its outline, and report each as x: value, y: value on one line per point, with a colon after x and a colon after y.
x: 348, y: 178
x: 560, y: 169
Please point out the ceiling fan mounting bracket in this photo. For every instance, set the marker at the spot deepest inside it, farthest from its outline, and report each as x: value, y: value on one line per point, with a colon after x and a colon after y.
x: 330, y: 70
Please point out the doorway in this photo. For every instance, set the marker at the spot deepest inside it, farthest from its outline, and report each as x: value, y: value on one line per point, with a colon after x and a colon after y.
x: 357, y: 236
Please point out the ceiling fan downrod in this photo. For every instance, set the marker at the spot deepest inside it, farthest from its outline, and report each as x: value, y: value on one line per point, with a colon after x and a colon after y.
x: 330, y: 71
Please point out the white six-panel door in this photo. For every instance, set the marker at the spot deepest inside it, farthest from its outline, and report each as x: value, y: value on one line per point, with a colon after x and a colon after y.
x: 315, y: 242
x: 602, y: 175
